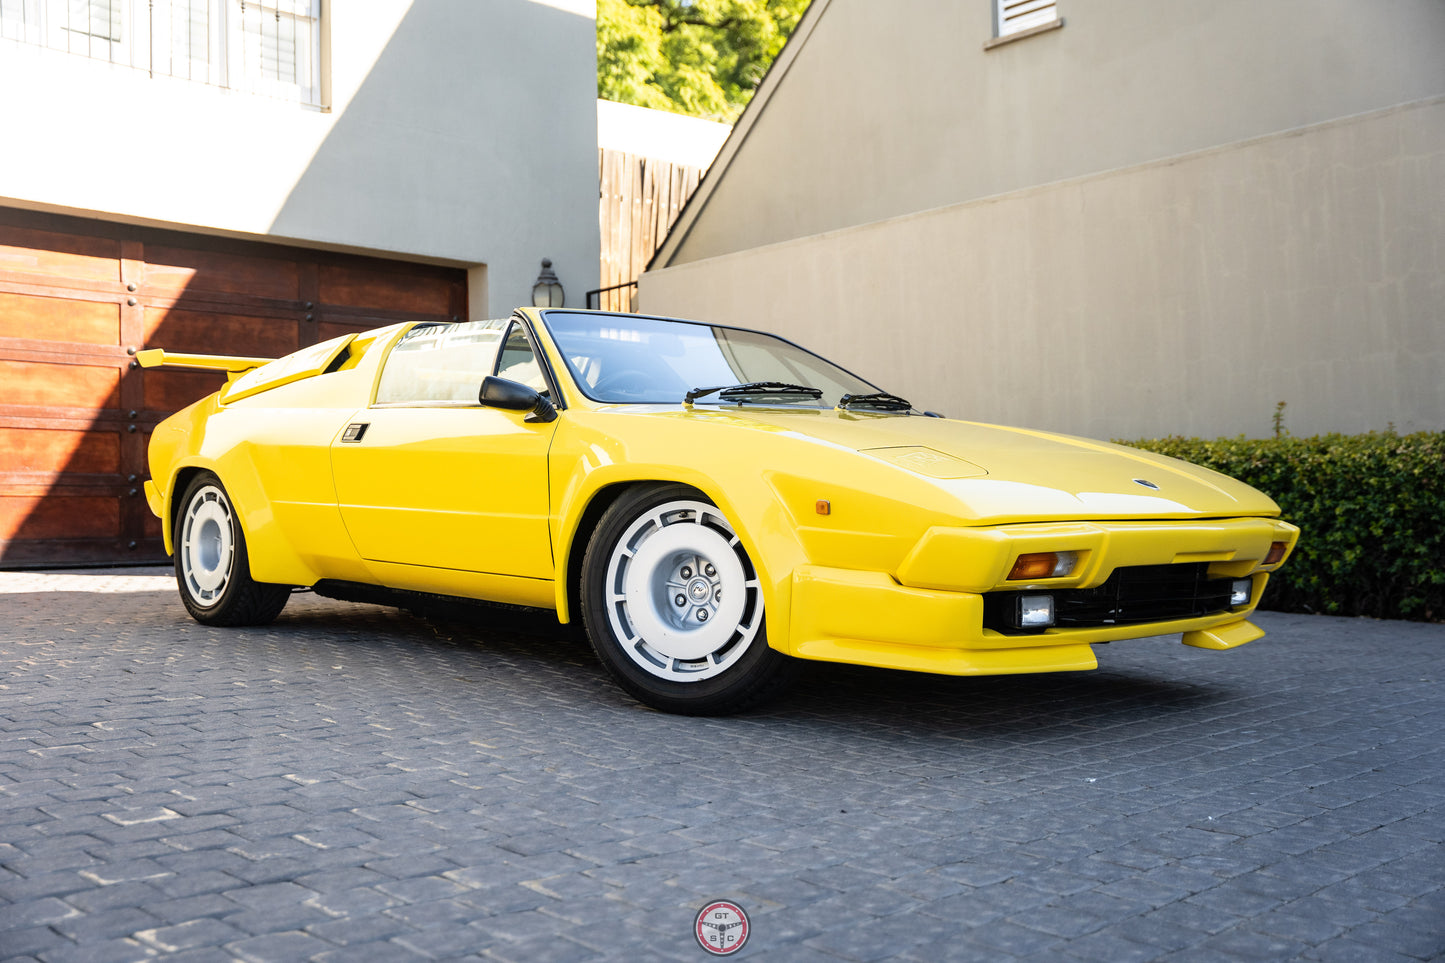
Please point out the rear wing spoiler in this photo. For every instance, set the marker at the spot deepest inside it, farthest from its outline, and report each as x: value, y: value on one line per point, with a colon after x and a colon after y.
x: 232, y: 365
x: 243, y: 379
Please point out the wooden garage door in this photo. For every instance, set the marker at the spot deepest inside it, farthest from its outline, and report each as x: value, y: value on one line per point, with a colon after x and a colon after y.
x: 77, y: 297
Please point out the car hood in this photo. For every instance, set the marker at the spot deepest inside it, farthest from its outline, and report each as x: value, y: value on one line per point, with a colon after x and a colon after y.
x: 1001, y: 472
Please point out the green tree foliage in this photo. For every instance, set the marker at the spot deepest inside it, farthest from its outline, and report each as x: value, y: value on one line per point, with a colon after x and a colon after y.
x: 699, y: 57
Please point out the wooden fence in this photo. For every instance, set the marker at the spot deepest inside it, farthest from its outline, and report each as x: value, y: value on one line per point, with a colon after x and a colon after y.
x: 641, y: 197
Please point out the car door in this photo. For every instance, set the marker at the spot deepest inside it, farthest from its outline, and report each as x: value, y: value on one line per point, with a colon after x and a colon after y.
x: 428, y: 477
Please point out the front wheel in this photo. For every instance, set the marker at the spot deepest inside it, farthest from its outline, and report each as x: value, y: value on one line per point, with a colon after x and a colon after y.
x: 674, y: 606
x: 212, y: 568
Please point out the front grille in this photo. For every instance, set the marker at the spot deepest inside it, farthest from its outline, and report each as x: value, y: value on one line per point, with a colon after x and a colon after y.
x: 1133, y: 595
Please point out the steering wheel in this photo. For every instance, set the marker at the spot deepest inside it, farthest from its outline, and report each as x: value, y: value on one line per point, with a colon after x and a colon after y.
x: 628, y: 383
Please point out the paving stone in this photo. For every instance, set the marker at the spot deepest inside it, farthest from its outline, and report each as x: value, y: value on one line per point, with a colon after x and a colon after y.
x: 1312, y: 928
x: 23, y: 941
x: 276, y: 919
x: 506, y: 898
x: 422, y: 888
x: 197, y: 883
x: 36, y: 912
x: 1103, y: 947
x: 444, y: 942
x: 105, y: 924
x: 1242, y: 943
x: 1346, y: 950
x: 880, y: 939
x: 1016, y: 939
x: 542, y: 949
x: 388, y: 952
x: 100, y: 951
x: 359, y: 930
x: 265, y: 896
x: 290, y: 945
x: 1236, y: 900
x: 261, y: 870
x: 352, y: 784
x: 190, y: 907
x: 1356, y: 893
x: 1388, y: 934
x: 190, y: 935
x: 21, y: 888
x: 1153, y: 931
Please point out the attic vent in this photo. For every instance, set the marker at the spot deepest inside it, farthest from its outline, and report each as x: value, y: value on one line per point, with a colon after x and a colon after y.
x: 1016, y: 16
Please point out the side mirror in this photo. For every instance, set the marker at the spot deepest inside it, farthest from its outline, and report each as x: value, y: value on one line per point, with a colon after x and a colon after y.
x: 515, y: 396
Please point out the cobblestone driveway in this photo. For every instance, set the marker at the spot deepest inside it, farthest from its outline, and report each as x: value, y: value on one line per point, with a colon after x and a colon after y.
x: 355, y: 784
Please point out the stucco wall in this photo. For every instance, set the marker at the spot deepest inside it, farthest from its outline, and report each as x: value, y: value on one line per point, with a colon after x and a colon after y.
x: 1181, y: 296
x: 891, y: 108
x: 459, y: 132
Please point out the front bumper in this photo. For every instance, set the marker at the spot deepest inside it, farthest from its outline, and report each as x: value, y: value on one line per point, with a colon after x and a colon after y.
x: 929, y: 617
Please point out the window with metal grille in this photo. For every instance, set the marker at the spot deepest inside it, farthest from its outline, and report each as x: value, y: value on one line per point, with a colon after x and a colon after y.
x: 1016, y: 16
x: 270, y: 47
x: 94, y: 18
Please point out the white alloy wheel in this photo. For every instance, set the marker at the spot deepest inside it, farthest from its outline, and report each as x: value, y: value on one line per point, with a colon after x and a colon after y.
x: 682, y: 599
x: 208, y: 548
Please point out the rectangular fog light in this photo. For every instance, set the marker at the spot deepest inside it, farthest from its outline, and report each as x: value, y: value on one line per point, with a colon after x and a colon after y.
x: 1240, y: 591
x: 1036, y: 611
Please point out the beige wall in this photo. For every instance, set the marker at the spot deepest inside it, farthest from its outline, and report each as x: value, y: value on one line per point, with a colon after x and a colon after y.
x: 459, y: 132
x: 891, y: 108
x: 1180, y: 296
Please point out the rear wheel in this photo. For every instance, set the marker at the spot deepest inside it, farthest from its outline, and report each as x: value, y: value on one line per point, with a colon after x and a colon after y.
x: 212, y: 568
x: 674, y: 606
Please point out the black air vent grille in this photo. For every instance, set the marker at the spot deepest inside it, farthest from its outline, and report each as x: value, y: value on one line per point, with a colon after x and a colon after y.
x: 1133, y: 595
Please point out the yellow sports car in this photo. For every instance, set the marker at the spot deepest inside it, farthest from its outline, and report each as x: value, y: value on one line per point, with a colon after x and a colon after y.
x: 713, y: 503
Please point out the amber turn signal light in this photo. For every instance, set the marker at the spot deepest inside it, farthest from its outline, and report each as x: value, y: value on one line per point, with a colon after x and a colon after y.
x: 1043, y: 565
x: 1276, y: 552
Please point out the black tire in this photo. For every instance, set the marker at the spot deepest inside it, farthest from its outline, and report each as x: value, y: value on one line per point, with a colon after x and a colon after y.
x: 649, y: 601
x: 213, y: 570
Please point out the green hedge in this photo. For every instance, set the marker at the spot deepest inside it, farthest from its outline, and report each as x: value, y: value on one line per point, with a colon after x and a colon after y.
x: 1371, y: 509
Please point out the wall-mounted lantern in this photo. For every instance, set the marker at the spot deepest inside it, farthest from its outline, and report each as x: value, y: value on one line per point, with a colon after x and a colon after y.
x: 547, y: 292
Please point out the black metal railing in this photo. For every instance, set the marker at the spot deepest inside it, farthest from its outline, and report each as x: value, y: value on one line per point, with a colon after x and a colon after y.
x: 618, y: 297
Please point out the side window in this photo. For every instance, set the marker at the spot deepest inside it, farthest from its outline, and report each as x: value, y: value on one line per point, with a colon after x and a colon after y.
x: 440, y: 363
x: 518, y: 362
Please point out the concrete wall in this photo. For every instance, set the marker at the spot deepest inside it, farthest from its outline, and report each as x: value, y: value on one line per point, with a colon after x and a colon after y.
x: 1180, y: 296
x: 659, y: 134
x: 458, y: 132
x: 891, y: 108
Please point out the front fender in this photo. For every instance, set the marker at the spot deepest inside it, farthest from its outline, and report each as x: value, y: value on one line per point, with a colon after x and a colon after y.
x: 588, y: 466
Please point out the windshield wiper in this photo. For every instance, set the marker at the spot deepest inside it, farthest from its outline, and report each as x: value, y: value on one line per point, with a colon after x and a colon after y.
x: 754, y: 388
x: 878, y: 401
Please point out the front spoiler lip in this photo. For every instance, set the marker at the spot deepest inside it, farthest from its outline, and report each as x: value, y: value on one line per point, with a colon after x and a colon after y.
x: 867, y: 618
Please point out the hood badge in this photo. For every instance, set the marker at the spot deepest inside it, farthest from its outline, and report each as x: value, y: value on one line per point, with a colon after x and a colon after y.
x: 1146, y: 483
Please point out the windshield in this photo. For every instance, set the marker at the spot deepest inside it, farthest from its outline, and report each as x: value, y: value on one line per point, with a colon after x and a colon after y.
x: 637, y: 360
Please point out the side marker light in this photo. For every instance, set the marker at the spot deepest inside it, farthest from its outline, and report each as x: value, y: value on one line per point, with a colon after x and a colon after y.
x: 824, y: 507
x: 1276, y: 552
x: 1043, y: 565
